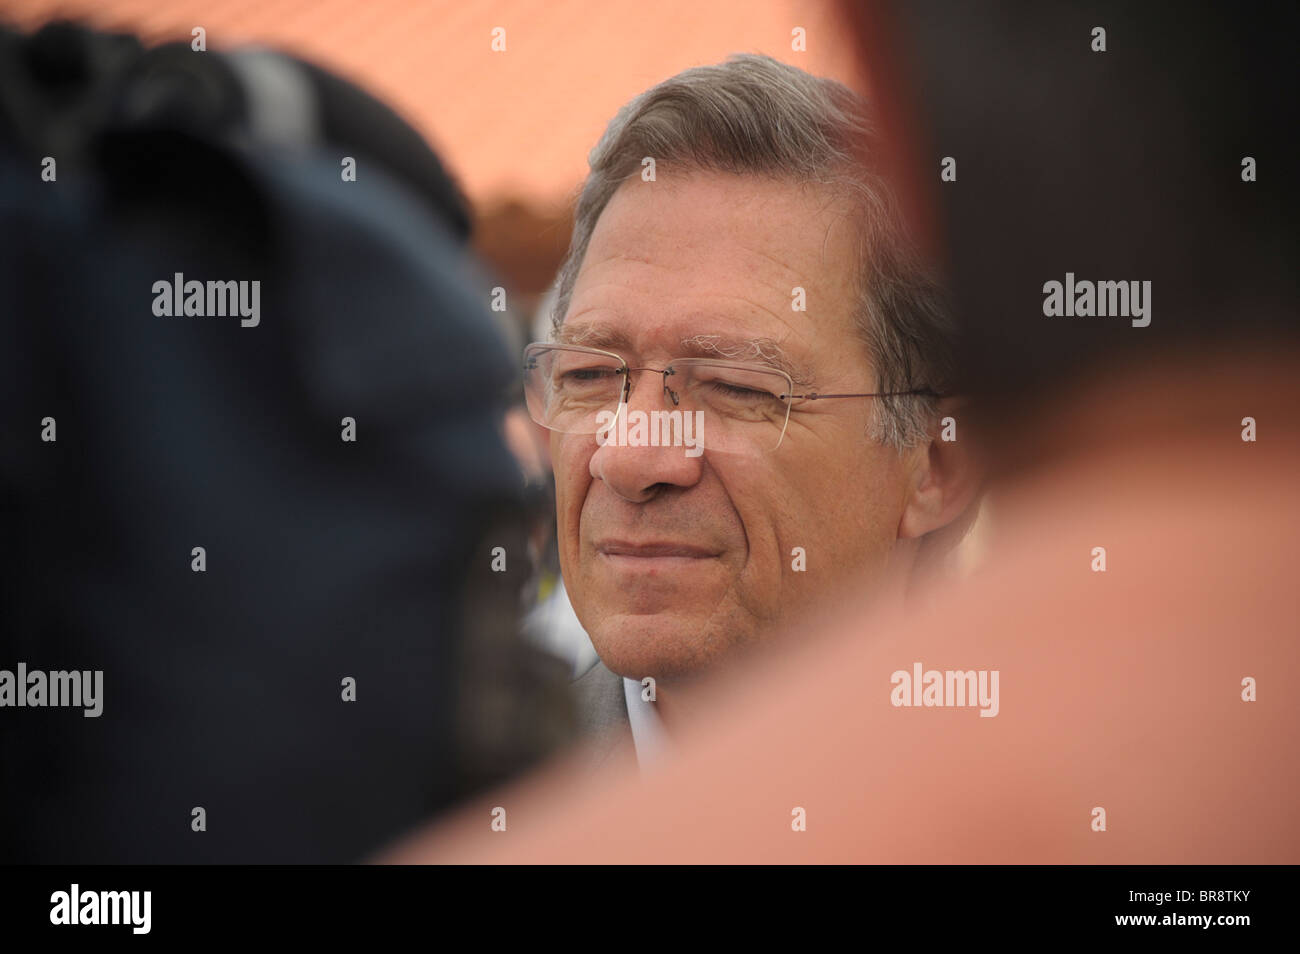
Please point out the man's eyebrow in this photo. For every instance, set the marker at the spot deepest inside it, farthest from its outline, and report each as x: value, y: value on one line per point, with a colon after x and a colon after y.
x: 594, y: 336
x: 758, y: 350
x: 761, y: 350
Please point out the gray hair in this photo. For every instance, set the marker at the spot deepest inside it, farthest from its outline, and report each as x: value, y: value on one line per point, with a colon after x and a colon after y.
x: 753, y: 115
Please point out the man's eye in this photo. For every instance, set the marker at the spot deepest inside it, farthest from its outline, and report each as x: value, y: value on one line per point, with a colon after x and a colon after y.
x: 738, y: 392
x: 589, y: 374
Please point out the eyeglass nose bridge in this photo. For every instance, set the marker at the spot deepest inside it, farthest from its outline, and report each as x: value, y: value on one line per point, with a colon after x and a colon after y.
x: 627, y: 384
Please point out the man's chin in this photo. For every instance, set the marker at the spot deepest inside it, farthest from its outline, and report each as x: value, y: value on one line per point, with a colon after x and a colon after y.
x: 663, y: 645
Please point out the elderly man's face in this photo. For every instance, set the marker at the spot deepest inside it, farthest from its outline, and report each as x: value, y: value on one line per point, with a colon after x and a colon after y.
x: 672, y: 560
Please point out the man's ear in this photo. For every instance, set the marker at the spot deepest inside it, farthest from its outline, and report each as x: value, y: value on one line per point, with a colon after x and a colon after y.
x: 944, y: 479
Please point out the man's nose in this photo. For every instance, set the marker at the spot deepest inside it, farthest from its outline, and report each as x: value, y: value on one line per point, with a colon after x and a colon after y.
x: 637, y: 470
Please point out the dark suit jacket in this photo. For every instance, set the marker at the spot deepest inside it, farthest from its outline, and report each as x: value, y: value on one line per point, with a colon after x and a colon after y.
x: 601, y: 709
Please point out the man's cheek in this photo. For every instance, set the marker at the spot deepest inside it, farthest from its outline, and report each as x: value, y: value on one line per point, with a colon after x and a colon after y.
x: 806, y: 549
x: 760, y: 580
x: 572, y: 457
x: 572, y: 484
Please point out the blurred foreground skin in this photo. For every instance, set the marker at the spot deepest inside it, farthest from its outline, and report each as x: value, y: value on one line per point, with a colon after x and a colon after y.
x: 1119, y: 690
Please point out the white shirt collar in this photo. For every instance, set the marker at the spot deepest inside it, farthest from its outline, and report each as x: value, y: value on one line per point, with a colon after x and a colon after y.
x: 648, y: 733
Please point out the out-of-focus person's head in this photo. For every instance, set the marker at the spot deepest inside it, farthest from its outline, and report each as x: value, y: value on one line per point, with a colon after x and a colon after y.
x: 252, y: 466
x: 734, y: 254
x: 1110, y: 141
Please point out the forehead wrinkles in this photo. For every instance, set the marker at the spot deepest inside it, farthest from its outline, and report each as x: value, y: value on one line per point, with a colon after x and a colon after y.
x: 775, y: 228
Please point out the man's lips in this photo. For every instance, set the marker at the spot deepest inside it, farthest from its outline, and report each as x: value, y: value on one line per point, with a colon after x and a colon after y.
x: 654, y: 550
